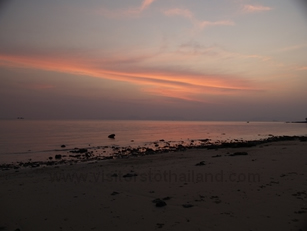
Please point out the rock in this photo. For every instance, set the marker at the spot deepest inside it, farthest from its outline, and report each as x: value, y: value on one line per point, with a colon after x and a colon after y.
x: 156, y: 200
x: 160, y: 225
x: 200, y: 163
x: 75, y: 156
x: 300, y: 212
x: 160, y: 203
x: 58, y: 157
x: 130, y: 175
x: 114, y: 193
x: 108, y: 157
x: 63, y: 146
x: 239, y: 154
x: 204, y: 140
x: 187, y: 206
x: 88, y: 155
x: 112, y: 136
x: 81, y: 150
x: 216, y: 199
x: 303, y: 139
x: 34, y: 165
x: 216, y: 156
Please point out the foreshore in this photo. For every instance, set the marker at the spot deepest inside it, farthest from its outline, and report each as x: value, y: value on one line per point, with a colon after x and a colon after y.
x: 244, y: 185
x: 81, y: 155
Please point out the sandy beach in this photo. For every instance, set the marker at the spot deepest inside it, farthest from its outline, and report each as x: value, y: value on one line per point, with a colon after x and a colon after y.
x: 248, y: 188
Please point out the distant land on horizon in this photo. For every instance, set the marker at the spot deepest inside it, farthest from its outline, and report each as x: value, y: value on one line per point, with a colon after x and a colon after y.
x: 156, y: 119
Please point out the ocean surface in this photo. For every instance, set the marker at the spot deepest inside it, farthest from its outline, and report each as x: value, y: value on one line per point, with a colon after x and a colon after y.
x: 21, y: 140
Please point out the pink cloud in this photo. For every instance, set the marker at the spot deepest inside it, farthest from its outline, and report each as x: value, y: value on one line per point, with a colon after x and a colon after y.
x: 130, y: 12
x: 181, y: 12
x: 216, y: 23
x: 185, y: 85
x: 304, y: 68
x: 198, y: 24
x: 255, y: 8
x: 146, y: 4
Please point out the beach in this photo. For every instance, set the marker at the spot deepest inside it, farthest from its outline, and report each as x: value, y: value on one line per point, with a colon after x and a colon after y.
x: 261, y: 187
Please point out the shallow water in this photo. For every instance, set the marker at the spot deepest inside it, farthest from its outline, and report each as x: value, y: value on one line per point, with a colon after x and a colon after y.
x: 24, y: 139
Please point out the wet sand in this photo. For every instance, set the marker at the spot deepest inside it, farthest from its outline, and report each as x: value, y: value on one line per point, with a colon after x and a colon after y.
x: 263, y: 187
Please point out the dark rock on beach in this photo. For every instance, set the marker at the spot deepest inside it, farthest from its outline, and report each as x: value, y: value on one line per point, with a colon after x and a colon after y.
x: 156, y: 200
x: 187, y: 206
x: 159, y: 202
x: 130, y: 175
x: 112, y: 136
x: 159, y: 225
x: 81, y: 150
x: 204, y: 140
x: 75, y: 156
x: 239, y: 154
x: 35, y: 165
x: 200, y: 163
x: 216, y: 156
x: 58, y: 157
x: 303, y: 139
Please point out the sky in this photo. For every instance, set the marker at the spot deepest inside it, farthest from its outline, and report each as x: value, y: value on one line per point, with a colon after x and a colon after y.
x: 153, y: 59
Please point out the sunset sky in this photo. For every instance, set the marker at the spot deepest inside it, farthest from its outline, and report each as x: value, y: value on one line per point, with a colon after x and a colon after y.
x: 153, y: 59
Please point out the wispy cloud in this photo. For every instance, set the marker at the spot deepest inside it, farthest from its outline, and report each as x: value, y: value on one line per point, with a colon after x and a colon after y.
x: 292, y: 48
x: 130, y: 12
x: 204, y: 24
x: 195, y: 49
x: 197, y: 23
x: 302, y: 68
x: 255, y: 8
x: 146, y: 4
x: 187, y: 85
x: 181, y: 12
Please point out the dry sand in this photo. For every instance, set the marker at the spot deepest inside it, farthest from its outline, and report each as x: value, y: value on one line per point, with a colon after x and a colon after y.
x: 264, y: 190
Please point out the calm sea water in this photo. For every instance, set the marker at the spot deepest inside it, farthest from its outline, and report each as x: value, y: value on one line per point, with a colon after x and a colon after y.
x: 24, y: 139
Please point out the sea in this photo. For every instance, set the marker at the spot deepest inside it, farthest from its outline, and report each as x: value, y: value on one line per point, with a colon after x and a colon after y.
x: 22, y: 139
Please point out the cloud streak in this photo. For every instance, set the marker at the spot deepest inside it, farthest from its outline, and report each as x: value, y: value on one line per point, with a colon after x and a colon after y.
x: 255, y: 8
x: 146, y: 4
x: 197, y: 23
x: 176, y: 84
x: 130, y: 12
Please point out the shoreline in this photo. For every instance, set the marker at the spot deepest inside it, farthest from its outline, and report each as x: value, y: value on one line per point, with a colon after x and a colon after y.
x: 83, y: 155
x: 256, y: 186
